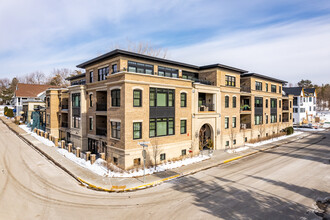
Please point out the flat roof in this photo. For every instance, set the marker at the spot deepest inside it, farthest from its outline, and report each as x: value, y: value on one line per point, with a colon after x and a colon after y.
x: 119, y: 52
x: 263, y: 77
x: 76, y: 76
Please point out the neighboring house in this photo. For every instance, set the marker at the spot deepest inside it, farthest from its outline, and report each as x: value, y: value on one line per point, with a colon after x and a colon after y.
x: 28, y: 93
x: 29, y: 107
x: 125, y: 98
x: 304, y: 104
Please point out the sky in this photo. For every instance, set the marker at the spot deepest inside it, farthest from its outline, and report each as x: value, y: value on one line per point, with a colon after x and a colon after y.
x: 289, y: 40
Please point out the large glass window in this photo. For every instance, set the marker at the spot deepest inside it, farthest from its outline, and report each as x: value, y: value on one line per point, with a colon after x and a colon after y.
x: 76, y: 100
x: 266, y: 87
x: 115, y: 98
x: 161, y: 97
x: 161, y: 127
x: 91, y: 76
x: 183, y: 99
x: 90, y: 124
x: 183, y: 126
x: 259, y: 86
x: 137, y: 130
x: 189, y: 75
x: 258, y: 102
x: 273, y: 118
x: 273, y: 103
x: 102, y: 73
x: 226, y: 101
x: 76, y: 121
x: 258, y: 119
x: 234, y: 122
x: 137, y: 98
x: 230, y: 81
x: 115, y: 130
x: 114, y: 68
x: 90, y: 100
x: 136, y: 67
x: 168, y: 72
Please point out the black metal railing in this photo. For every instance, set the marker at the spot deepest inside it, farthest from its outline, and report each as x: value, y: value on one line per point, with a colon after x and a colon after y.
x: 207, y: 108
x: 245, y: 108
x: 101, y: 106
x: 203, y: 81
x: 285, y: 107
x: 65, y: 124
x: 76, y: 111
x: 101, y: 131
x: 65, y: 106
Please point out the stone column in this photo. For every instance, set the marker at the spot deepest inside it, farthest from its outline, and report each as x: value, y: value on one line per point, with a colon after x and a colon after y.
x: 35, y: 130
x: 56, y: 141
x: 88, y: 153
x: 41, y: 133
x: 50, y: 136
x: 93, y: 158
x: 62, y: 144
x: 70, y: 147
x: 46, y: 135
x: 38, y: 131
x: 78, y: 152
x: 102, y: 155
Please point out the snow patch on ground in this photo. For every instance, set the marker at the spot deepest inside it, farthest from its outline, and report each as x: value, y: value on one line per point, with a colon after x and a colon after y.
x: 41, y: 139
x: 99, y: 167
x: 273, y: 140
x: 230, y: 151
x: 309, y: 129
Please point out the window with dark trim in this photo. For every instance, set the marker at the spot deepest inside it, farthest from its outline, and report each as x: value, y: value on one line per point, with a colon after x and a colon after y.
x: 136, y: 67
x: 161, y: 97
x: 162, y: 156
x: 189, y: 75
x: 183, y: 152
x: 273, y: 88
x: 137, y: 98
x: 183, y: 126
x: 234, y: 101
x: 183, y: 99
x: 266, y: 103
x: 90, y: 100
x: 258, y: 102
x: 168, y: 72
x: 90, y: 124
x: 259, y: 86
x: 279, y: 103
x: 114, y: 68
x: 266, y: 119
x: 115, y: 97
x: 137, y: 130
x: 226, y: 101
x: 91, y: 76
x: 115, y: 130
x: 161, y: 127
x: 230, y: 81
x: 234, y: 122
x: 273, y: 103
x: 258, y: 119
x: 273, y: 118
x: 279, y: 118
x: 266, y: 87
x: 226, y: 122
x: 102, y: 73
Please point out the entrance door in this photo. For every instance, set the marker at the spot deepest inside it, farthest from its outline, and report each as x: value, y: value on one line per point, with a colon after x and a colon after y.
x: 205, y: 138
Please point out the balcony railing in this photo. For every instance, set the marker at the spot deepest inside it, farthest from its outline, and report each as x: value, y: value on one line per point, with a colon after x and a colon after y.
x: 207, y: 108
x: 202, y: 81
x: 245, y: 88
x: 76, y: 111
x: 101, y: 106
x: 65, y: 107
x: 285, y: 107
x: 246, y: 125
x: 65, y: 124
x: 101, y: 131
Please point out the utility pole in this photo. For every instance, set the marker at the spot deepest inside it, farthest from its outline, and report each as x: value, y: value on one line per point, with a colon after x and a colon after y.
x: 144, y: 155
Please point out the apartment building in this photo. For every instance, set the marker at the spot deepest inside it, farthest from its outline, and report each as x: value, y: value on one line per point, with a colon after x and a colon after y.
x: 304, y: 104
x: 124, y: 98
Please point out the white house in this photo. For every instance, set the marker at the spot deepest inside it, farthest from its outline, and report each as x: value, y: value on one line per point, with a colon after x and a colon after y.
x: 304, y: 104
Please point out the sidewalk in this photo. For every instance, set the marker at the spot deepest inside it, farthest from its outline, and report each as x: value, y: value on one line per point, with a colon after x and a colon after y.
x: 98, y: 182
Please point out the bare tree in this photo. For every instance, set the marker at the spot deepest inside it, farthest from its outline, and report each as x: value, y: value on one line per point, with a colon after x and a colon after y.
x: 261, y: 130
x: 232, y: 136
x: 142, y: 47
x: 156, y: 151
x: 58, y: 76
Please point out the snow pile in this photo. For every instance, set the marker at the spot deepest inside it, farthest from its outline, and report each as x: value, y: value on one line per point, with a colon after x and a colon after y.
x: 39, y: 138
x: 99, y: 166
x: 230, y: 151
x: 309, y: 129
x: 273, y: 140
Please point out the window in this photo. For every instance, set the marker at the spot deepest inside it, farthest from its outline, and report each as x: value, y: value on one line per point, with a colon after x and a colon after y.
x: 226, y: 122
x: 279, y: 103
x: 234, y: 141
x: 115, y: 98
x: 279, y: 118
x: 90, y: 124
x: 91, y: 76
x: 273, y: 103
x: 137, y: 98
x: 115, y: 160
x: 290, y: 104
x: 162, y: 156
x: 302, y: 110
x: 266, y: 87
x: 48, y: 119
x: 279, y: 89
x: 161, y: 127
x: 258, y: 102
x: 140, y: 68
x: 183, y: 99
x: 183, y: 126
x: 273, y: 118
x: 115, y: 130
x: 76, y: 100
x: 226, y: 101
x: 189, y: 75
x: 114, y: 68
x: 227, y: 143
x: 168, y: 72
x: 290, y: 116
x: 183, y: 152
x: 137, y: 162
x: 266, y: 119
x: 310, y: 99
x: 161, y: 97
x: 245, y: 139
x: 76, y: 122
x: 273, y: 88
x: 48, y: 102
x: 295, y: 101
x: 137, y: 130
x: 310, y: 108
x: 266, y: 103
x: 258, y: 119
x: 314, y: 108
x: 295, y: 110
x: 234, y: 122
x: 90, y: 100
x: 102, y: 73
x: 230, y: 81
x: 259, y: 86
x: 234, y: 101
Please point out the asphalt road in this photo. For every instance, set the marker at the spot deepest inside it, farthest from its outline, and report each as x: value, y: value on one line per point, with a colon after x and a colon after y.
x: 283, y: 183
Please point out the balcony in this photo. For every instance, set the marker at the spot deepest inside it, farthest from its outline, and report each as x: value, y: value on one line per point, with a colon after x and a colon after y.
x: 65, y: 124
x: 285, y: 108
x: 65, y: 107
x: 101, y: 131
x: 245, y: 109
x: 206, y: 102
x: 101, y: 106
x: 76, y: 111
x: 245, y: 122
x: 207, y: 108
x: 202, y: 81
x: 246, y: 89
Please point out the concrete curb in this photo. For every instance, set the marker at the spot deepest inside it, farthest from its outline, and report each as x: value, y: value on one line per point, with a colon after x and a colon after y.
x: 144, y: 186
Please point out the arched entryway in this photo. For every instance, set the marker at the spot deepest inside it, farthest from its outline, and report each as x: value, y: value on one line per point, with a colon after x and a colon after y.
x: 206, y: 138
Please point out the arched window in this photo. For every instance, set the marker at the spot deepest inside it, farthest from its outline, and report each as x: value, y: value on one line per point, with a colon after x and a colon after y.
x: 137, y: 98
x: 183, y: 99
x: 226, y: 101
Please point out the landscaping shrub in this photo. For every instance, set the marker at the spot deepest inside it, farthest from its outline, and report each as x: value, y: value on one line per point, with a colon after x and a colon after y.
x: 10, y: 113
x: 289, y: 130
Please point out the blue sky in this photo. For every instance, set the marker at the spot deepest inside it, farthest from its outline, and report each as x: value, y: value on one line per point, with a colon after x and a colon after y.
x: 284, y: 39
